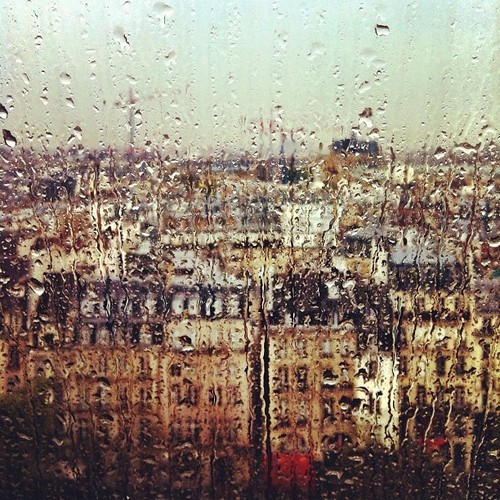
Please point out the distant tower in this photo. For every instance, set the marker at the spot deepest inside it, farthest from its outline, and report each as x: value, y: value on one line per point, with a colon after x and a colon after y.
x: 130, y: 104
x: 282, y: 160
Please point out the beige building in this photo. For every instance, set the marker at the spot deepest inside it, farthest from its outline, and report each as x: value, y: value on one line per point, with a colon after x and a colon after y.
x: 311, y: 376
x: 441, y: 385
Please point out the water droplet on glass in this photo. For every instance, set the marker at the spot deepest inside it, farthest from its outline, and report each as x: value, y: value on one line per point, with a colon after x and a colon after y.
x: 317, y: 49
x: 36, y: 286
x: 170, y: 59
x: 9, y: 139
x: 70, y: 103
x: 163, y: 10
x: 440, y: 153
x: 121, y: 36
x: 65, y: 79
x: 78, y: 132
x: 131, y: 79
x: 3, y: 112
x: 381, y: 30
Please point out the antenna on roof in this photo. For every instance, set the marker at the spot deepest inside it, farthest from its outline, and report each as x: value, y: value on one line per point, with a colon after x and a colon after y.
x: 130, y: 104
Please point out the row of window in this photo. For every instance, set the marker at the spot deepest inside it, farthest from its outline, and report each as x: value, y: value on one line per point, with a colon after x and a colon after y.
x: 206, y: 304
x: 441, y: 365
x: 458, y: 397
x: 189, y: 394
x: 328, y: 347
x: 282, y: 380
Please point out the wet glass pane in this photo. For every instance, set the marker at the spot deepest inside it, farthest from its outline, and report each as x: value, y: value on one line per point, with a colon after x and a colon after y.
x: 249, y: 249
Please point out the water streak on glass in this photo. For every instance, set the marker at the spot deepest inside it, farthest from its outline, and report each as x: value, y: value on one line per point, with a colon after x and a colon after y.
x: 249, y: 250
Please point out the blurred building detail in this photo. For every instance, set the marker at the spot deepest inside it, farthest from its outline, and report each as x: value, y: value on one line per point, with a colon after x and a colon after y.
x: 211, y: 326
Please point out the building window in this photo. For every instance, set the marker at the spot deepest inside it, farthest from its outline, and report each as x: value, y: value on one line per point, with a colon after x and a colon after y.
x: 403, y: 365
x: 327, y: 348
x: 176, y: 395
x: 178, y: 303
x: 13, y: 363
x: 459, y: 456
x: 283, y: 416
x: 421, y: 396
x: 440, y: 397
x: 302, y: 413
x: 302, y: 379
x: 440, y: 365
x: 192, y: 395
x: 83, y: 429
x: 301, y: 346
x: 460, y: 364
x: 328, y: 410
x: 281, y: 381
x: 176, y: 370
x: 459, y: 397
x: 233, y: 395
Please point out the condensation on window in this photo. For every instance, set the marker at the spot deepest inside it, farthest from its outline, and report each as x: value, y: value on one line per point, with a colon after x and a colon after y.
x: 249, y: 249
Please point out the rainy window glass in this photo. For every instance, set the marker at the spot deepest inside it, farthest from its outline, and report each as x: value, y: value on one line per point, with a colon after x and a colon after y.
x: 249, y: 249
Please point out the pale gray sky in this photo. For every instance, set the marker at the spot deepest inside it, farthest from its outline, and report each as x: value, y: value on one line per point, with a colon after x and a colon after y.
x: 205, y: 72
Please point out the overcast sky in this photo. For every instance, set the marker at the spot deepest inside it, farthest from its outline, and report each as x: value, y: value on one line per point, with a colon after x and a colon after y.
x: 207, y: 72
